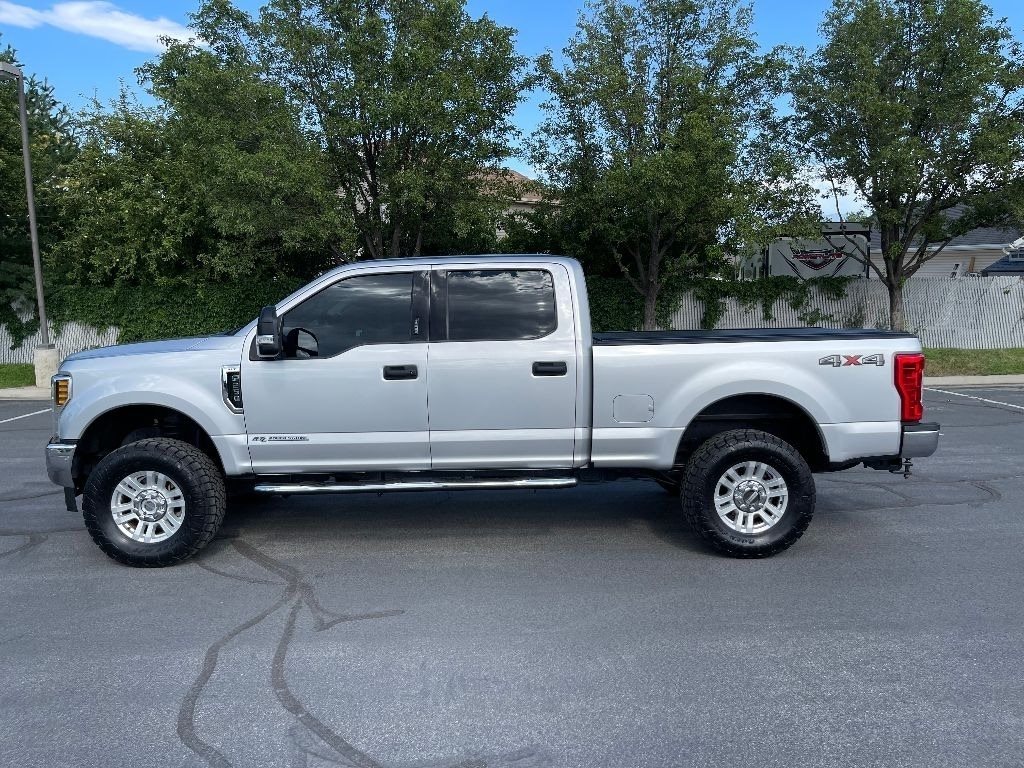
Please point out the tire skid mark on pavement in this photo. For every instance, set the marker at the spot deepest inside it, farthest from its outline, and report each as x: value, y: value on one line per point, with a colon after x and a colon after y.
x: 994, y: 494
x: 910, y: 502
x: 30, y: 496
x: 310, y: 736
x: 299, y: 592
x: 34, y: 538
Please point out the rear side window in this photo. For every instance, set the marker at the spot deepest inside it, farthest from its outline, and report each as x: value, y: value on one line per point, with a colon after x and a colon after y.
x: 367, y: 309
x: 500, y: 304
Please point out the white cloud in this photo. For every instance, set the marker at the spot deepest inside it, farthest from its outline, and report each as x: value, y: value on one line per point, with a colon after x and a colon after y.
x: 96, y: 18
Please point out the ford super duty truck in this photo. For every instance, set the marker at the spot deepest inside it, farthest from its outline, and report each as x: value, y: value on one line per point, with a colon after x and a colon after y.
x: 475, y: 372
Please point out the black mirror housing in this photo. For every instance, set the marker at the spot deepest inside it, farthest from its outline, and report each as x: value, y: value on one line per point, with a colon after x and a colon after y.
x: 268, y: 334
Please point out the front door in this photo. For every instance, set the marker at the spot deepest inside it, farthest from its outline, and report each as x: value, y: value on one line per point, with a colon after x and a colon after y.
x: 350, y: 391
x: 502, y: 389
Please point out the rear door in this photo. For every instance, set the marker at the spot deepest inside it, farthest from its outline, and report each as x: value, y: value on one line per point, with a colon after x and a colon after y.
x: 502, y: 386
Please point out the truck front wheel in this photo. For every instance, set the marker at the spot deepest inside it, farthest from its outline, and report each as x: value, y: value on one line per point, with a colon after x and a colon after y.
x: 747, y: 493
x: 154, y: 502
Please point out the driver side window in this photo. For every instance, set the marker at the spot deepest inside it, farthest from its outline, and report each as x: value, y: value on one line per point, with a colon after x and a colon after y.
x: 366, y: 309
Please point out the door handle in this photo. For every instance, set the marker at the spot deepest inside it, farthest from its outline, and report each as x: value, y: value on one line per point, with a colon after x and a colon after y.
x: 545, y: 368
x: 400, y: 372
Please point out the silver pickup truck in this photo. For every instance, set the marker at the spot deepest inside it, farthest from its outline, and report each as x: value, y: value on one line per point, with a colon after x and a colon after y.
x: 473, y: 372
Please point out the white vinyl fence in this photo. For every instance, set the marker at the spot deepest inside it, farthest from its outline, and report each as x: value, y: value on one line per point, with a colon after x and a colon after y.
x: 965, y: 313
x: 72, y: 338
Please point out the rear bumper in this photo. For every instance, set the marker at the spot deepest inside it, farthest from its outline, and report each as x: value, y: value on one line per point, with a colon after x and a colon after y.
x: 59, y: 457
x: 919, y: 440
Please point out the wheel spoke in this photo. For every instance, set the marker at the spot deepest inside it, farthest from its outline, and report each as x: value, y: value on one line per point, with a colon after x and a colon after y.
x: 750, y: 496
x: 169, y: 523
x: 128, y: 487
x: 125, y: 518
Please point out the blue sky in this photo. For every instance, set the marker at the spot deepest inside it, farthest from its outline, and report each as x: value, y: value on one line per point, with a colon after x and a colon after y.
x: 86, y: 48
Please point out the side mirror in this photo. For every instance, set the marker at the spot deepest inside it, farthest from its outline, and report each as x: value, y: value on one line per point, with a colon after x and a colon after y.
x: 301, y: 344
x: 268, y: 334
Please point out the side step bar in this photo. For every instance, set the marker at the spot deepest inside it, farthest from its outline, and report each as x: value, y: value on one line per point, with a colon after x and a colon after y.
x: 482, y: 484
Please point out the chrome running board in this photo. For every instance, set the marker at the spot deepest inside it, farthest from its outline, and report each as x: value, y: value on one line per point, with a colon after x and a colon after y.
x: 495, y: 483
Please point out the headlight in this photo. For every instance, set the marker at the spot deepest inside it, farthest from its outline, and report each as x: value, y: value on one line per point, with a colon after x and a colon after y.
x: 60, y: 389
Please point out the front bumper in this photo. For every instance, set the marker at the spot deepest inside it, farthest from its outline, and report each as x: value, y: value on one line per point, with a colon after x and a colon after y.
x: 919, y: 440
x: 59, y: 458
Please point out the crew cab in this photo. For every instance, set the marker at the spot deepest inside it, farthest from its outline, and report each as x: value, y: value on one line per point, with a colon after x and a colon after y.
x: 474, y: 372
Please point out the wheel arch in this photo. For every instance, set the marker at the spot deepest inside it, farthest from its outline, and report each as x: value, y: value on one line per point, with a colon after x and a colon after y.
x: 123, y: 424
x: 771, y: 413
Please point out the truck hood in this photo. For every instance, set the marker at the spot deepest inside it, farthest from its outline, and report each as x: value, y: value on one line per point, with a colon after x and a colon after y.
x: 158, y: 347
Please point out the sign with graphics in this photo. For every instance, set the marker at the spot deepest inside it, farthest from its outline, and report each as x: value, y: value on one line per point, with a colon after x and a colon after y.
x: 842, y: 250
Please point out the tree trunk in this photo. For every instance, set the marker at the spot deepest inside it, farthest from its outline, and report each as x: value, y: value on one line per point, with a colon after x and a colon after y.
x: 896, y: 321
x: 651, y: 307
x: 893, y: 254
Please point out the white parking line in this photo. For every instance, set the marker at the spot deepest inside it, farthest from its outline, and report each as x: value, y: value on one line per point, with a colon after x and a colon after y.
x: 972, y: 397
x: 25, y: 416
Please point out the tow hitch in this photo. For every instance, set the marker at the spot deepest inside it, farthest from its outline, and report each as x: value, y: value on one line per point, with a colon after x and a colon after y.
x: 894, y: 464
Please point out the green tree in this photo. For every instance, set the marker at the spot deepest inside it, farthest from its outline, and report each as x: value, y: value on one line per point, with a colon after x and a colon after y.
x: 654, y: 138
x: 409, y: 99
x: 215, y: 181
x: 52, y: 146
x: 919, y: 104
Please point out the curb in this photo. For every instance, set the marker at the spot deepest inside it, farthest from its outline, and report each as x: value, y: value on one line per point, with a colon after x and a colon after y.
x: 25, y: 393
x: 973, y: 381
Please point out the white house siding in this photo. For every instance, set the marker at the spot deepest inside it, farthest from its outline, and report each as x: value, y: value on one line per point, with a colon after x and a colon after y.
x: 943, y: 264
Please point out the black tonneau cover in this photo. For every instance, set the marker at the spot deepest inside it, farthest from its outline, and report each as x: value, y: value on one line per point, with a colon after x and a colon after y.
x: 614, y: 338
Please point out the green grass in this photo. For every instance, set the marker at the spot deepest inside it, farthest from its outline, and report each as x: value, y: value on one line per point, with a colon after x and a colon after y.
x: 17, y: 375
x: 973, y: 362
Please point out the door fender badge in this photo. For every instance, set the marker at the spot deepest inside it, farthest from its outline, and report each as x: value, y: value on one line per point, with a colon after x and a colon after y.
x: 279, y: 439
x: 844, y: 361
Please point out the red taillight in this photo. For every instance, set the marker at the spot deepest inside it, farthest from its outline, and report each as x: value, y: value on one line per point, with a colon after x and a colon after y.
x: 910, y: 384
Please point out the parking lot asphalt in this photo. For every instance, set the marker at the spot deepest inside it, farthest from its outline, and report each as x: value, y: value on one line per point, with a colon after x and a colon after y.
x: 575, y: 628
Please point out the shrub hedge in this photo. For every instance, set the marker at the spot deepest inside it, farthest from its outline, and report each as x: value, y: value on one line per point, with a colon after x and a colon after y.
x: 184, y: 308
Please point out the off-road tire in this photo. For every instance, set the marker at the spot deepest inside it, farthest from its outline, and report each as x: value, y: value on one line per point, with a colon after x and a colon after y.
x: 713, y: 458
x: 195, y: 473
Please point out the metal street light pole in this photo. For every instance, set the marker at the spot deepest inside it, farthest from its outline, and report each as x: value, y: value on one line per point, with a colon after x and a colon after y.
x: 15, y: 73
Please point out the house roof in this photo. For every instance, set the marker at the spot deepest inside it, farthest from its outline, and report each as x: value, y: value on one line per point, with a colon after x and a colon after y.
x: 991, y: 237
x: 1004, y: 267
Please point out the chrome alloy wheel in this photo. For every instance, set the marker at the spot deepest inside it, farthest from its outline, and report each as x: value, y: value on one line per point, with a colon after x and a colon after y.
x: 148, y: 507
x: 751, y: 497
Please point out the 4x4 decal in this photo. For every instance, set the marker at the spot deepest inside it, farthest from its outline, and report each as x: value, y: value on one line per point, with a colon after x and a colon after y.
x: 841, y: 361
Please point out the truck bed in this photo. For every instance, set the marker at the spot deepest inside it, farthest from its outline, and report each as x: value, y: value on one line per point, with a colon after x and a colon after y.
x: 618, y: 338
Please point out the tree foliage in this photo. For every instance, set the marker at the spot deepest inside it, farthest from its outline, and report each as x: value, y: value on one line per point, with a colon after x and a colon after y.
x: 410, y: 101
x: 918, y: 103
x: 215, y: 181
x: 654, y: 138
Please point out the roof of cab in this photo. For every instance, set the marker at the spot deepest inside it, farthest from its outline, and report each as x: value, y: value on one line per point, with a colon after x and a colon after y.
x: 413, y: 261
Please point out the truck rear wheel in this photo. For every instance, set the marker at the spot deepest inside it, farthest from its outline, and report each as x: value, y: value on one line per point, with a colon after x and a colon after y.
x: 747, y: 493
x: 154, y: 502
